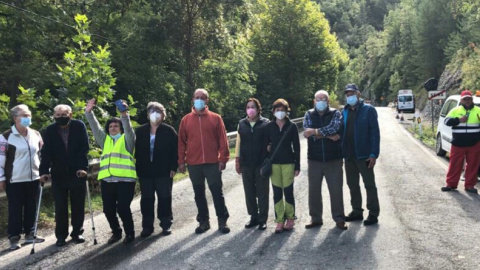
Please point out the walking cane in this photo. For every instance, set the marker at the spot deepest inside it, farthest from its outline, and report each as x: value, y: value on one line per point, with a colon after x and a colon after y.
x: 91, y: 214
x: 36, y: 219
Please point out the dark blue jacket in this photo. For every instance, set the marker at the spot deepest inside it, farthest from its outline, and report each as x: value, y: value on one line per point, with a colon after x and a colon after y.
x: 367, y: 133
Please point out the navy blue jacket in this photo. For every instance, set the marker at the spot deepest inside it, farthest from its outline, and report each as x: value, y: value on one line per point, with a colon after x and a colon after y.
x: 367, y: 133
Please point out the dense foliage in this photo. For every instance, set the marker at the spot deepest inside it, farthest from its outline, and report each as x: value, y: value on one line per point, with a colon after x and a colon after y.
x: 162, y: 50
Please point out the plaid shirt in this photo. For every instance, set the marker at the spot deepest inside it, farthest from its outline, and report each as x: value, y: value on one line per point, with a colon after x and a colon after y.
x: 327, y: 130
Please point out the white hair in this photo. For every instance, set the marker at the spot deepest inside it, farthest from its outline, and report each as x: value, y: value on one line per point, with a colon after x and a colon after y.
x: 323, y: 92
x: 15, y: 111
x: 62, y: 107
x: 201, y: 90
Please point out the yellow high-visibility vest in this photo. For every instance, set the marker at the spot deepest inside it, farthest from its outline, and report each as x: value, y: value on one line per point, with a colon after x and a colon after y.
x: 116, y: 160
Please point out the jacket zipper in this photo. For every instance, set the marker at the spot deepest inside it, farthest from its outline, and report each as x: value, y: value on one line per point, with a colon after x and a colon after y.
x: 30, y: 155
x: 201, y: 137
x: 323, y: 145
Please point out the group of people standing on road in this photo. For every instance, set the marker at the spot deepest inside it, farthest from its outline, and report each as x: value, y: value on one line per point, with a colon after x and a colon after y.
x: 154, y: 152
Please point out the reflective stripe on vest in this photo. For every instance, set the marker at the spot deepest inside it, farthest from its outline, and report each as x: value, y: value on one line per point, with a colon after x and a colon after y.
x: 473, y: 121
x: 116, y: 160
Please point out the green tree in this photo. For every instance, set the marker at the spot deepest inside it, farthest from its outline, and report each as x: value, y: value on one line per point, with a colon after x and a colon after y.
x: 294, y: 53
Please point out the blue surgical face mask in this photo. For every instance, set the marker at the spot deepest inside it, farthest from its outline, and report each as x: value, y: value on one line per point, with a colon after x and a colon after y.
x: 25, y: 121
x: 352, y: 100
x: 116, y: 137
x: 199, y: 104
x: 321, y: 105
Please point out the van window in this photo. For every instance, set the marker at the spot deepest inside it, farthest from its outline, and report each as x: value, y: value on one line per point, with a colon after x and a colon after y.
x: 447, y: 107
x: 405, y: 98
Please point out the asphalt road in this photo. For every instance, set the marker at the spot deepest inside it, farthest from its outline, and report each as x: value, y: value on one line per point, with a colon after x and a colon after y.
x: 419, y: 226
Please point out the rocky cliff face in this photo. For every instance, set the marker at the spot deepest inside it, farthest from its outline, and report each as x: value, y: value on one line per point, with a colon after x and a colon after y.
x: 450, y: 80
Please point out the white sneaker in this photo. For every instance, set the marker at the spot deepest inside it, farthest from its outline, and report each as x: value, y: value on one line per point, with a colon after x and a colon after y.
x: 29, y: 238
x: 14, y: 242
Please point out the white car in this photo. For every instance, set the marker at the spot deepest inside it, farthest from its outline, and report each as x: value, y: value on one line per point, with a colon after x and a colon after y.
x: 444, y: 132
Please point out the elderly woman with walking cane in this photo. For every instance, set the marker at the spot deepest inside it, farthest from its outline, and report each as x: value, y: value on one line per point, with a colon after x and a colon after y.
x: 117, y: 169
x: 19, y: 174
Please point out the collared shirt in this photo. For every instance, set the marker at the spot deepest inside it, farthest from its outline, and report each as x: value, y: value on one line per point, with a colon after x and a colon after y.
x: 327, y: 130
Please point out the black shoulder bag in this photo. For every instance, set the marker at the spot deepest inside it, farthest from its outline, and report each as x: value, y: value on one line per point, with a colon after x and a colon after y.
x: 266, y: 169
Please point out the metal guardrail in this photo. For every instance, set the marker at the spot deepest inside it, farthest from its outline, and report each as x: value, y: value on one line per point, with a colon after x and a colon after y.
x: 94, y: 164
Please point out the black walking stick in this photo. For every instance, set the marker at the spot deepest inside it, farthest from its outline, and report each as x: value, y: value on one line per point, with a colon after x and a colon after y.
x: 91, y: 214
x: 36, y: 219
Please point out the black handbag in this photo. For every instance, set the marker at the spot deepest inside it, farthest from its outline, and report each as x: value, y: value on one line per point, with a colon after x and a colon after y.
x: 266, y: 169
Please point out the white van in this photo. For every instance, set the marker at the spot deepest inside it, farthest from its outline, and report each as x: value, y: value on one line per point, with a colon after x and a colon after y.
x: 444, y: 132
x: 405, y: 101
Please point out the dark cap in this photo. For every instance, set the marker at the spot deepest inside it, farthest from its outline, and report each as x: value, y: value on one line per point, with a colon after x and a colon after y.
x: 351, y: 87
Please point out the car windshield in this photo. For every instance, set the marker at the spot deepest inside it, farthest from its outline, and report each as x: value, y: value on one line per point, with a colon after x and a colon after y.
x: 405, y: 98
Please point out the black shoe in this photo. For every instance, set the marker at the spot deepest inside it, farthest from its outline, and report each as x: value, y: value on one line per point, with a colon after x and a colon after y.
x: 313, y: 225
x: 60, y: 243
x: 222, y: 226
x: 78, y: 239
x: 128, y: 238
x: 472, y: 190
x: 341, y: 225
x: 447, y: 188
x: 167, y: 231
x: 252, y: 223
x: 370, y: 221
x: 262, y: 226
x: 115, y: 238
x: 353, y: 217
x: 146, y: 233
x: 202, y: 227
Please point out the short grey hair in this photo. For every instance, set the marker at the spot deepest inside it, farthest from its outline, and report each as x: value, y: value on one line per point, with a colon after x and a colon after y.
x: 63, y: 107
x: 155, y: 105
x: 201, y: 90
x: 322, y: 92
x: 15, y: 111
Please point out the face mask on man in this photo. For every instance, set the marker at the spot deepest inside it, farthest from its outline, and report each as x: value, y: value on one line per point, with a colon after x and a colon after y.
x: 62, y: 121
x: 280, y: 115
x: 352, y: 100
x: 251, y: 112
x: 155, y: 116
x: 116, y: 137
x: 321, y: 105
x: 199, y: 104
x: 25, y: 121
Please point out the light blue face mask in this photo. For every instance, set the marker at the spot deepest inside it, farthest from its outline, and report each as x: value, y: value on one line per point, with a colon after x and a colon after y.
x: 321, y: 105
x: 116, y: 137
x: 25, y: 121
x: 352, y: 100
x: 199, y: 104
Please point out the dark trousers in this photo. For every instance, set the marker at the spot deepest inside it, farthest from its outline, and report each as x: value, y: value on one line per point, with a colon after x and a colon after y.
x: 332, y: 172
x: 198, y: 173
x: 117, y: 198
x: 162, y: 186
x: 75, y: 189
x: 256, y: 188
x: 353, y: 169
x: 22, y: 205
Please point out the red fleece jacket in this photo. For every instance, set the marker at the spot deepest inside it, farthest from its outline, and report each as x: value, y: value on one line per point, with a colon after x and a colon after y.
x: 202, y: 139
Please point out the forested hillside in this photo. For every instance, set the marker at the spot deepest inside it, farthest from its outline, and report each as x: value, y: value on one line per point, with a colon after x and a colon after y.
x: 163, y: 50
x: 399, y: 44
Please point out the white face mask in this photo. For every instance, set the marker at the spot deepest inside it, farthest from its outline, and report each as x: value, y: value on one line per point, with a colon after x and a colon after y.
x: 155, y: 116
x: 280, y: 115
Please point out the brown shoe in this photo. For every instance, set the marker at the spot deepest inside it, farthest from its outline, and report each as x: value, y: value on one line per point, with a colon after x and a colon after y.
x: 313, y: 225
x: 341, y: 225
